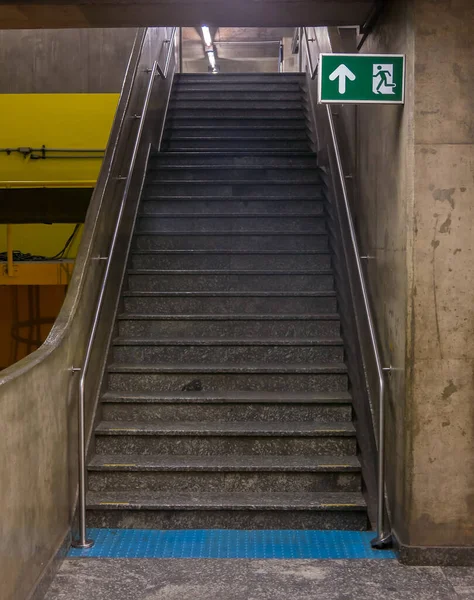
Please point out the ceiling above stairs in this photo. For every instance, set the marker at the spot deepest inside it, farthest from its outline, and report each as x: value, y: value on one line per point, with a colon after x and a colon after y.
x: 25, y: 14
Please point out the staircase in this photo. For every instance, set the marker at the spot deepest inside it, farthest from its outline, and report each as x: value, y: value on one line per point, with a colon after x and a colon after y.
x: 227, y: 400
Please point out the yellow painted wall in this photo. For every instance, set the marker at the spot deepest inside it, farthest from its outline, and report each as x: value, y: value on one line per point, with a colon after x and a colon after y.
x: 39, y: 239
x: 57, y: 121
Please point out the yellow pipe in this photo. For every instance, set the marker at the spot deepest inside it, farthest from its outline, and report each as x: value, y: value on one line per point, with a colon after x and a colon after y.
x: 9, y: 251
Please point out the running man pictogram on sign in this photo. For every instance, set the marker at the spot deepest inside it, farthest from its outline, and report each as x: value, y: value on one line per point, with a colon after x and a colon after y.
x: 383, y: 79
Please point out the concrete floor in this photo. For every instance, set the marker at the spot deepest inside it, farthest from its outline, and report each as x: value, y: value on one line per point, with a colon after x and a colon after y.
x: 208, y: 579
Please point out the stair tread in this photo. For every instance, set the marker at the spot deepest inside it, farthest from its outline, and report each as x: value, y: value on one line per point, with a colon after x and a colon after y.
x: 239, y: 137
x: 229, y: 272
x: 210, y: 89
x: 269, y: 153
x: 228, y: 368
x: 227, y: 233
x: 237, y: 253
x: 239, y: 127
x: 243, y: 117
x: 123, y: 341
x: 238, y: 428
x: 228, y: 317
x: 139, y: 462
x: 277, y: 182
x: 232, y: 167
x: 196, y: 216
x: 235, y: 198
x: 318, y: 294
x: 233, y: 397
x: 227, y: 501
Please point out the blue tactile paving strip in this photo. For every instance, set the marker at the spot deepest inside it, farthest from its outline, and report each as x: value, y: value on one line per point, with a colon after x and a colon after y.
x: 228, y: 543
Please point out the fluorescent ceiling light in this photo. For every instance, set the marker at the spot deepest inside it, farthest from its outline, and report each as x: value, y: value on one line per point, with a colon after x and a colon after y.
x: 206, y: 34
x: 212, y: 59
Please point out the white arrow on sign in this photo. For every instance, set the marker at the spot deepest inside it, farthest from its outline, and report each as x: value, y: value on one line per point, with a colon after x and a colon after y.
x: 342, y: 73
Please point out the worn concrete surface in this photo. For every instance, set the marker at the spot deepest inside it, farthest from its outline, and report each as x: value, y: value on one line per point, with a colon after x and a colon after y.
x: 176, y: 579
x: 383, y: 207
x: 441, y: 449
x: 64, y: 61
x: 414, y: 215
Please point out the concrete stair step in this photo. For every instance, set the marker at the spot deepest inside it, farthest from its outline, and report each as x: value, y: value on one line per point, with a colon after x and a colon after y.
x: 163, y: 222
x: 265, y: 143
x: 251, y: 106
x: 227, y: 406
x: 250, y: 132
x: 248, y: 206
x: 293, y: 87
x: 227, y: 464
x: 239, y: 188
x: 217, y: 172
x: 219, y: 474
x: 220, y: 260
x: 240, y: 77
x: 325, y: 377
x: 225, y: 438
x: 231, y: 240
x: 232, y: 397
x: 148, y: 352
x: 230, y: 159
x: 179, y: 119
x: 227, y: 110
x: 228, y: 303
x: 228, y: 326
x: 150, y: 280
x: 233, y: 95
x: 235, y: 510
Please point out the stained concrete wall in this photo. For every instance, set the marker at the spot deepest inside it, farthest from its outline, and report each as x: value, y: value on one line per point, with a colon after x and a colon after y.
x: 384, y: 212
x: 64, y: 61
x: 415, y: 216
x: 441, y: 388
x: 38, y: 395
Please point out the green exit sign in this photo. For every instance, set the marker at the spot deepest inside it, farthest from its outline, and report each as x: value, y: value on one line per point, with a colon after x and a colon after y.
x: 361, y: 78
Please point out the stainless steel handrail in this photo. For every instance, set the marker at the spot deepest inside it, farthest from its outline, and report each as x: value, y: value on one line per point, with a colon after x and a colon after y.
x: 312, y: 69
x: 164, y: 72
x: 382, y: 539
x: 83, y: 542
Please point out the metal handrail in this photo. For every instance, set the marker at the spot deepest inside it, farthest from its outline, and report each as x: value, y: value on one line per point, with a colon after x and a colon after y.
x: 164, y: 72
x: 308, y: 54
x: 83, y: 542
x: 382, y: 539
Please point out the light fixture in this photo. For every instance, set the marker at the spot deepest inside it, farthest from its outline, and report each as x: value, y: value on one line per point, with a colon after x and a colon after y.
x: 206, y: 34
x: 212, y: 59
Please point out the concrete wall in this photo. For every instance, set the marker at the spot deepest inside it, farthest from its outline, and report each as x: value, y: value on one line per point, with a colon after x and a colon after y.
x: 64, y: 61
x: 415, y: 216
x: 384, y: 208
x: 38, y: 395
x: 441, y: 388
